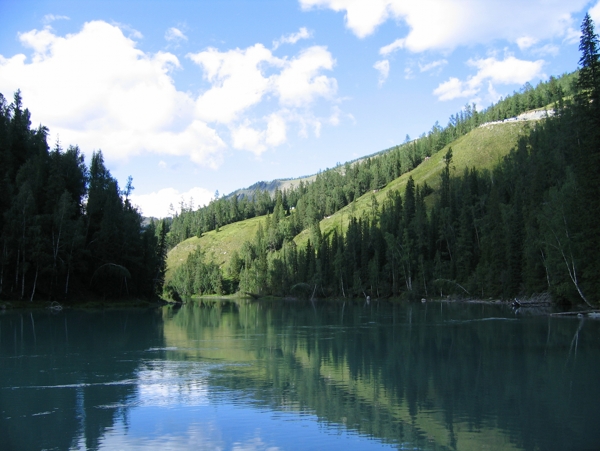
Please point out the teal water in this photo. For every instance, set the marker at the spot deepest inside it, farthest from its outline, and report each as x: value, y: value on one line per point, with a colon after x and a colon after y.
x: 294, y: 375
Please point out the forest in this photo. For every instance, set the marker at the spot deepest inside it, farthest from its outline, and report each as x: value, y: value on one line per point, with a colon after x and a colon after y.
x: 68, y: 232
x: 526, y: 226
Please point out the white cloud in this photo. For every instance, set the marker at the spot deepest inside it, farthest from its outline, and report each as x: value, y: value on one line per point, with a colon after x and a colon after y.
x: 337, y: 115
x: 454, y: 88
x: 174, y: 34
x: 49, y: 18
x: 245, y: 137
x: 391, y: 48
x: 362, y: 17
x: 97, y: 89
x: 133, y: 33
x: 300, y: 82
x: 446, y: 24
x: 276, y: 131
x: 524, y: 42
x: 572, y: 36
x: 595, y: 15
x: 303, y: 33
x: 547, y: 49
x: 493, y: 95
x: 157, y: 204
x: 433, y: 65
x: 39, y: 41
x: 383, y: 67
x: 237, y: 81
x: 508, y: 71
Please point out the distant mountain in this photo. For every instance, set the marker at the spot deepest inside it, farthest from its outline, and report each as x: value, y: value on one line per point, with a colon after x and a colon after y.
x: 272, y: 186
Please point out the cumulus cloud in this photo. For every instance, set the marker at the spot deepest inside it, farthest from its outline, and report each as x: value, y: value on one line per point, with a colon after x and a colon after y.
x: 508, y: 71
x: 238, y: 81
x: 301, y: 81
x: 236, y: 78
x: 383, y: 67
x: 174, y: 35
x: 303, y: 33
x: 96, y: 88
x: 446, y: 24
x: 165, y: 202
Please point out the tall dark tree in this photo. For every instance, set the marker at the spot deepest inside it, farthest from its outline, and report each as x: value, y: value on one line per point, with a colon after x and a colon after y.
x: 589, y: 73
x: 587, y: 153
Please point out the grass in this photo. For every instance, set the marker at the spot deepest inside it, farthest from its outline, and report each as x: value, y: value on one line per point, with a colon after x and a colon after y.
x: 217, y: 246
x: 482, y: 148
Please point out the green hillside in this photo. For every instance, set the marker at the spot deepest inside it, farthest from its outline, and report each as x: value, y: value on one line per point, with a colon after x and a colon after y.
x: 481, y: 148
x: 217, y: 246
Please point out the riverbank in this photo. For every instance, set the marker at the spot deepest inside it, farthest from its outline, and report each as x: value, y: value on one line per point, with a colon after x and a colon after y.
x: 538, y: 304
x: 92, y: 304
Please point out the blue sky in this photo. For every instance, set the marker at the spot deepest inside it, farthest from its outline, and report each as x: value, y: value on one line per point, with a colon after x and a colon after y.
x: 191, y: 97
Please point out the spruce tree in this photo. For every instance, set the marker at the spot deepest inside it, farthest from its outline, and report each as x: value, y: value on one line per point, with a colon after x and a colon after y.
x: 589, y: 73
x: 587, y: 153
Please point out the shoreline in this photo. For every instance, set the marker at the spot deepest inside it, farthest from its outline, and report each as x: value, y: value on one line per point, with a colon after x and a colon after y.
x: 537, y: 304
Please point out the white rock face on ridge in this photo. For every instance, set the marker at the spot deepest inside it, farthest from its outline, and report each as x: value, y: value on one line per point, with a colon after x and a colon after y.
x: 528, y: 116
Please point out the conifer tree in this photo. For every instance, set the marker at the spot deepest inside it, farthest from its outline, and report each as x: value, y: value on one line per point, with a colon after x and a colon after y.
x: 589, y: 73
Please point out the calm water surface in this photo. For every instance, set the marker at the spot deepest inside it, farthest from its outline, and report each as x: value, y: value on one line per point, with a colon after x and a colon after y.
x: 293, y: 375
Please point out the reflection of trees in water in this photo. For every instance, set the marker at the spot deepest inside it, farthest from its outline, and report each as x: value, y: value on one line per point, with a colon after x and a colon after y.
x: 58, y: 372
x: 431, y: 375
x: 428, y: 375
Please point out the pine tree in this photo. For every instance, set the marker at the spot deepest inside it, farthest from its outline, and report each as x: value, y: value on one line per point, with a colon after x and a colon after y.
x: 587, y: 153
x: 589, y: 74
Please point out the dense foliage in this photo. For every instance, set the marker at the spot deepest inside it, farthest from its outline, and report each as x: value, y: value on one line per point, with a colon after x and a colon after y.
x: 66, y: 230
x: 528, y: 226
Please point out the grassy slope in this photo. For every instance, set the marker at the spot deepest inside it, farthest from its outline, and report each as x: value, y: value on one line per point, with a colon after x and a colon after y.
x: 217, y: 245
x: 482, y: 148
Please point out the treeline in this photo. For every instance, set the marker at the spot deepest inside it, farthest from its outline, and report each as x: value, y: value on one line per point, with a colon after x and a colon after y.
x: 67, y: 231
x: 335, y: 188
x: 528, y: 226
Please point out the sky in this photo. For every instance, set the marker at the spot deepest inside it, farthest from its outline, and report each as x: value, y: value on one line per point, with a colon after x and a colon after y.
x: 194, y: 99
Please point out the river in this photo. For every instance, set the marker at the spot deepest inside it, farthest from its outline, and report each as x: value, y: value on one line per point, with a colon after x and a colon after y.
x: 225, y: 375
